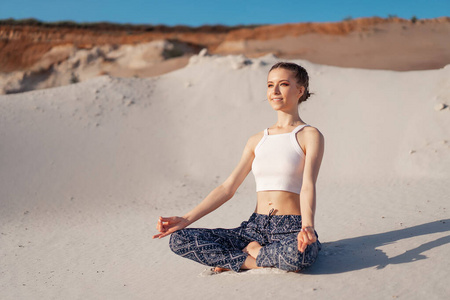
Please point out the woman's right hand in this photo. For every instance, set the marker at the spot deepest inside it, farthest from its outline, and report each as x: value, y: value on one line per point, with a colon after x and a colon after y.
x: 169, y: 225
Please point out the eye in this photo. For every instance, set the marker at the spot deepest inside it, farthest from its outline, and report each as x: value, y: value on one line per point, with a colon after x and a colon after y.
x: 285, y: 84
x: 270, y: 85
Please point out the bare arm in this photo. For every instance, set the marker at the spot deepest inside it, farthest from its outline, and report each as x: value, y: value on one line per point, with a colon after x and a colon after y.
x: 216, y: 198
x: 314, y: 149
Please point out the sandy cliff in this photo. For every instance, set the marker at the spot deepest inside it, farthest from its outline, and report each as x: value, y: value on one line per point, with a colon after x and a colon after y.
x: 37, y: 55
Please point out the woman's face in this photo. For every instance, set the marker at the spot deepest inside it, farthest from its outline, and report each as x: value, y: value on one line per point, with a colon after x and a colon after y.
x: 283, y: 90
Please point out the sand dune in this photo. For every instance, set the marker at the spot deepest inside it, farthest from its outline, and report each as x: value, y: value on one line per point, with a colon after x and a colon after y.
x: 87, y: 168
x: 35, y: 56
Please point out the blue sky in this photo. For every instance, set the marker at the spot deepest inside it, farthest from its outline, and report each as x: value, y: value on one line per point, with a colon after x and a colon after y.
x: 232, y: 12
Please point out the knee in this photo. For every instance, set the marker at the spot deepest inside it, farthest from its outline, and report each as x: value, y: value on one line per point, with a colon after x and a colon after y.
x: 288, y: 258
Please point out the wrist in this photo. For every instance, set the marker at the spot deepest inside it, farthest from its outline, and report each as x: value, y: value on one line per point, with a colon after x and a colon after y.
x: 188, y: 219
x: 304, y: 228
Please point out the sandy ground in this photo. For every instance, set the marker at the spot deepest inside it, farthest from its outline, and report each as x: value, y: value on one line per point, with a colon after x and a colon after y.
x: 86, y: 169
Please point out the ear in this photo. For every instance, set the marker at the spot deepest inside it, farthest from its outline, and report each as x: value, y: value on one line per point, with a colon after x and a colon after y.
x: 301, y: 91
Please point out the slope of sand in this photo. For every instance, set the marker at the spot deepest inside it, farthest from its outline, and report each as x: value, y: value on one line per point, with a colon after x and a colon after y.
x: 36, y: 56
x: 386, y: 46
x: 86, y: 169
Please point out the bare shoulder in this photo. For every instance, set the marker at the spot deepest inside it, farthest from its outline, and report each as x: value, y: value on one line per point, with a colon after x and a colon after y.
x: 310, y: 136
x: 254, y: 140
x: 311, y: 132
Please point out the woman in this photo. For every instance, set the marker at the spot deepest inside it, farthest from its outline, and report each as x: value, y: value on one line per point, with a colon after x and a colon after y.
x: 285, y: 159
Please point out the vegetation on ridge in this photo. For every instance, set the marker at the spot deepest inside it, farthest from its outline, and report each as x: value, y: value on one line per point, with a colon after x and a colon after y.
x: 104, y: 26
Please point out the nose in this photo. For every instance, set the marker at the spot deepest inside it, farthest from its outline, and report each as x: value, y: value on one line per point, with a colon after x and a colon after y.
x: 276, y: 89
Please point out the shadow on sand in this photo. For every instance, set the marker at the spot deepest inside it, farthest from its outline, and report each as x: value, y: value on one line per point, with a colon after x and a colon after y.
x: 361, y: 252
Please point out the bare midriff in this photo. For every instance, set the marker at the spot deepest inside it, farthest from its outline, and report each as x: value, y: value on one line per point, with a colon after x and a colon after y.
x: 283, y: 203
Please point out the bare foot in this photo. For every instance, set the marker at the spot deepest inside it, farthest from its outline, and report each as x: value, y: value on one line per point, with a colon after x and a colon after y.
x: 252, y: 249
x: 220, y: 270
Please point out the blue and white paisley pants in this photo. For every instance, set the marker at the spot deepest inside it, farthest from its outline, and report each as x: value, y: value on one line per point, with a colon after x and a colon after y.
x: 223, y: 247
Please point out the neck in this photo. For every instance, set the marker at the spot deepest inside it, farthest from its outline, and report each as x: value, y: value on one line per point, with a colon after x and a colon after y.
x: 286, y: 119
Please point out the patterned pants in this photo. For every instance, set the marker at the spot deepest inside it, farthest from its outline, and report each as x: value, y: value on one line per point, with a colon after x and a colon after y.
x: 223, y: 247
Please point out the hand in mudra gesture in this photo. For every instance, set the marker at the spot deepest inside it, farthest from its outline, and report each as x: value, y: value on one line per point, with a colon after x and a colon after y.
x: 169, y: 225
x: 306, y: 237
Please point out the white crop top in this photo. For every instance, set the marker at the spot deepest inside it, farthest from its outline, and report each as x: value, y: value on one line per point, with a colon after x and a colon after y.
x: 279, y: 162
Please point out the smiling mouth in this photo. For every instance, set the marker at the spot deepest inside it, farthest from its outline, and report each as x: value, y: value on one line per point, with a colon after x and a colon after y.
x: 277, y: 99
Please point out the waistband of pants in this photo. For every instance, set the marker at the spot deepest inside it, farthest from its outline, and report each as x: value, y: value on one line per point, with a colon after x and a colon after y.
x: 272, y: 215
x: 271, y: 221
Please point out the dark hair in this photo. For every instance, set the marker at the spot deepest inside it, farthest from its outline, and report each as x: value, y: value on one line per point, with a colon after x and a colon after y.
x: 300, y: 74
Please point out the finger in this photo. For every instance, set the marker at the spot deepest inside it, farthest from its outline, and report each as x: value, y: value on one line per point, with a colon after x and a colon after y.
x: 161, y: 235
x: 303, y: 246
x: 306, y: 240
x: 300, y: 246
x: 300, y: 242
x: 156, y: 236
x: 167, y: 219
x: 311, y: 236
x: 160, y: 226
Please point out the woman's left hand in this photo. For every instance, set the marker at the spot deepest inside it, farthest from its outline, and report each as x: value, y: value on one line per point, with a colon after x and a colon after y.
x: 306, y: 237
x: 169, y: 225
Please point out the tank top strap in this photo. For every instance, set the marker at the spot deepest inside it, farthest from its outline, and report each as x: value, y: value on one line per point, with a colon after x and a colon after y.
x: 298, y: 128
x: 266, y: 131
x: 294, y: 138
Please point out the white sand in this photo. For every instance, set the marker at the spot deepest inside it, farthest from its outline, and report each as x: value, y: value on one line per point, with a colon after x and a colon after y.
x: 86, y: 169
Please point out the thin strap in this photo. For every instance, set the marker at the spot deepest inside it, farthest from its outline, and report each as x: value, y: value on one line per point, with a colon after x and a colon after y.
x: 298, y: 128
x: 294, y: 138
x: 261, y: 141
x: 266, y: 131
